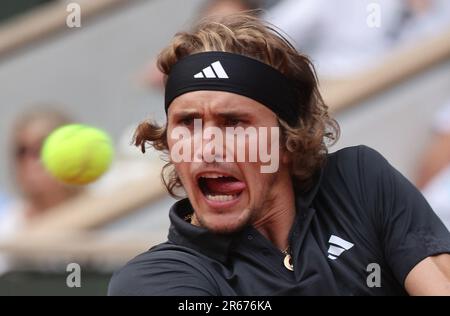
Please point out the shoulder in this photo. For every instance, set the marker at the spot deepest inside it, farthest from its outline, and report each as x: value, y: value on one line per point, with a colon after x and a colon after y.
x: 357, y: 173
x: 356, y: 161
x: 163, y: 270
x: 355, y: 154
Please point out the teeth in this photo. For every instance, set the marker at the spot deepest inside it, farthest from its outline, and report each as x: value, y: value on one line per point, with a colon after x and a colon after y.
x: 221, y: 198
x: 212, y: 175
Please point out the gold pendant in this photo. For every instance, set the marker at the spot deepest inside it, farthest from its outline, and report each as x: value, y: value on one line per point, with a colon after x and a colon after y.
x: 288, y: 262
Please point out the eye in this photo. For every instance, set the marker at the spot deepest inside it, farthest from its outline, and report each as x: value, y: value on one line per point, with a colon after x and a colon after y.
x: 232, y: 121
x: 186, y: 121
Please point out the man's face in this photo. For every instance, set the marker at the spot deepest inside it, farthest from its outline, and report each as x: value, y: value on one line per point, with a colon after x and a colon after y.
x: 31, y: 175
x: 226, y: 195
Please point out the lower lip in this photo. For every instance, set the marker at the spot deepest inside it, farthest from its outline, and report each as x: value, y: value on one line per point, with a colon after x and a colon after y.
x: 222, y: 204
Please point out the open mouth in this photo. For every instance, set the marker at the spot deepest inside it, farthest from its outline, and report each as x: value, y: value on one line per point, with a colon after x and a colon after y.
x: 219, y: 187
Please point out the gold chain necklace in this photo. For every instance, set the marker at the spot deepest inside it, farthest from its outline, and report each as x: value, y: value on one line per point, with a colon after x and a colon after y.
x: 288, y: 259
x: 188, y: 217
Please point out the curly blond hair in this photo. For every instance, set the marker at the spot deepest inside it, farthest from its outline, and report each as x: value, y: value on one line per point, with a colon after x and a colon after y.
x: 247, y: 35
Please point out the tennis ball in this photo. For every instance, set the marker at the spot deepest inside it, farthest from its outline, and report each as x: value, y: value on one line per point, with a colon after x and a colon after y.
x: 77, y: 154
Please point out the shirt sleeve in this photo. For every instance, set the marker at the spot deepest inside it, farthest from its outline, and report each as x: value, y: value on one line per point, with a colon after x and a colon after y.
x: 162, y: 273
x: 409, y: 229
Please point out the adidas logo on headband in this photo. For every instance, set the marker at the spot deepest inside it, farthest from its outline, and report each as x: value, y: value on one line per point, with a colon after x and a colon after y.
x: 214, y: 71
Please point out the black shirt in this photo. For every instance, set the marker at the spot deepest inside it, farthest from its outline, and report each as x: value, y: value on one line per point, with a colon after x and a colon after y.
x: 361, y: 211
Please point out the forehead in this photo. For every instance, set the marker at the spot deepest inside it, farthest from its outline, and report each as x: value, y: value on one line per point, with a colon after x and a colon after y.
x: 217, y: 101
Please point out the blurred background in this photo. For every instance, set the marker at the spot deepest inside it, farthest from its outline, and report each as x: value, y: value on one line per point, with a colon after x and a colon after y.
x: 384, y: 70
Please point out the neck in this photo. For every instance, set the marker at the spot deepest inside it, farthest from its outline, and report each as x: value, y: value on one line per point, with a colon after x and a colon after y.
x: 276, y: 223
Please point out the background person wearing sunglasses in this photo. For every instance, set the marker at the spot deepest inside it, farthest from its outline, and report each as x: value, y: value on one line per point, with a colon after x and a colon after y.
x: 37, y: 191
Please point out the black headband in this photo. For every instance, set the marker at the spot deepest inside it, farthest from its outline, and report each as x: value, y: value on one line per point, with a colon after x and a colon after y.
x: 223, y: 71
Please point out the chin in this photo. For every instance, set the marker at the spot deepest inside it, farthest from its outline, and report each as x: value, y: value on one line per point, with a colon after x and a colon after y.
x: 224, y: 223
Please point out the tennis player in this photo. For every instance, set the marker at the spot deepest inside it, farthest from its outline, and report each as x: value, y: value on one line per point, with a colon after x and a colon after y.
x: 345, y: 223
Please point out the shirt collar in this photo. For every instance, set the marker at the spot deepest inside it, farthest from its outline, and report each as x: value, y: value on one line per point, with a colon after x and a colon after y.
x: 198, y: 238
x: 217, y: 246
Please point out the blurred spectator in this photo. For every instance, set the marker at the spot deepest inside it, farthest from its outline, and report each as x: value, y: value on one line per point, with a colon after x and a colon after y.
x: 434, y: 172
x: 225, y: 7
x: 338, y: 37
x: 38, y: 190
x: 336, y: 34
x: 425, y: 18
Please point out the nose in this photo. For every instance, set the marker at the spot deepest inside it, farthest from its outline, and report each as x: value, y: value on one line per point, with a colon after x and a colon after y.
x: 203, y: 154
x: 208, y: 151
x: 209, y: 144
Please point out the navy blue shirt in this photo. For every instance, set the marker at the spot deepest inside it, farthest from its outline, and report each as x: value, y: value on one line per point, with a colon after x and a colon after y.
x: 360, y: 214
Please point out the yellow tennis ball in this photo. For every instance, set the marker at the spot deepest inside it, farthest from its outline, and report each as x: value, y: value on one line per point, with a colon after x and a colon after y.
x: 77, y: 154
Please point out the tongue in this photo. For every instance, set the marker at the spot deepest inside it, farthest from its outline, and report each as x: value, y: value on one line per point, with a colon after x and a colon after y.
x: 224, y: 185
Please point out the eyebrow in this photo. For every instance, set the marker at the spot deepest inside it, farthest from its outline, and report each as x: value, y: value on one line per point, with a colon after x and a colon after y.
x: 187, y: 114
x: 222, y: 114
x: 228, y: 114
